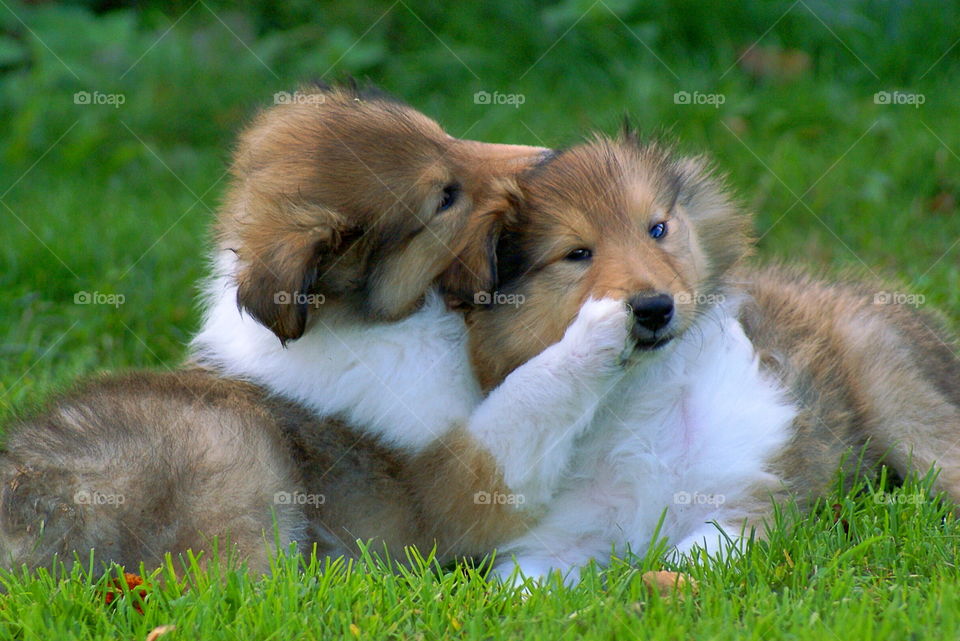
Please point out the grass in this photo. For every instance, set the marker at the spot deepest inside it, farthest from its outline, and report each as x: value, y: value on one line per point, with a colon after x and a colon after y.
x: 871, y: 562
x: 117, y: 201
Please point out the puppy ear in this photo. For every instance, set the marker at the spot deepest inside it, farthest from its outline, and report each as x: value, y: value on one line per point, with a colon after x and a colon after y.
x: 280, y: 251
x: 472, y: 276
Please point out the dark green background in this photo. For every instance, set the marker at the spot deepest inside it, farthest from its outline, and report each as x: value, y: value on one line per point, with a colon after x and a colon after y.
x: 117, y: 200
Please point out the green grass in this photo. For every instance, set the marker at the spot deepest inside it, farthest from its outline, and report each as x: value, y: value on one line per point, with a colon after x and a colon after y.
x: 118, y: 201
x: 868, y: 564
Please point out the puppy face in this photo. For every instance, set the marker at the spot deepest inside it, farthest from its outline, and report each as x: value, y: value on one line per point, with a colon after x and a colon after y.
x: 347, y: 199
x: 611, y: 218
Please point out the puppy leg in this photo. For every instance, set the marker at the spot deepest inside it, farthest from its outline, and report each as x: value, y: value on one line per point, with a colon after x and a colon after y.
x: 530, y: 422
x: 486, y: 483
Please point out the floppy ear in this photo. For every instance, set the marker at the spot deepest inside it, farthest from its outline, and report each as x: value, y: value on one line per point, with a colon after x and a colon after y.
x: 472, y: 277
x: 280, y: 251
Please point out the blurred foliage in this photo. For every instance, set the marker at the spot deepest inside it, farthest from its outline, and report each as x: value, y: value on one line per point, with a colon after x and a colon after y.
x: 189, y: 70
x: 117, y: 120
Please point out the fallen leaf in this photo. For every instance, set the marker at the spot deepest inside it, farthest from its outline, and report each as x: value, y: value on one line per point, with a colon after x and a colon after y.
x: 837, y: 517
x: 159, y: 631
x: 667, y: 583
x: 737, y: 125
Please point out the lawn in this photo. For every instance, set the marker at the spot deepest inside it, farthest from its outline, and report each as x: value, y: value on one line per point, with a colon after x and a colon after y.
x: 836, y: 122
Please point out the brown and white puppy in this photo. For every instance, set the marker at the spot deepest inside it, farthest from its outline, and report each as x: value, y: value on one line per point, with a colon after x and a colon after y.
x: 734, y: 385
x: 345, y: 206
x: 353, y: 198
x: 341, y: 215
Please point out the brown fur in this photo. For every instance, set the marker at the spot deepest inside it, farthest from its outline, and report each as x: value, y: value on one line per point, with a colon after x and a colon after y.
x: 337, y: 194
x: 863, y: 374
x: 604, y: 197
x: 882, y: 379
x: 199, y: 459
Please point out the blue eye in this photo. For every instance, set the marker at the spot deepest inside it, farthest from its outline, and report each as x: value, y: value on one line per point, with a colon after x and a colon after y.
x: 658, y: 231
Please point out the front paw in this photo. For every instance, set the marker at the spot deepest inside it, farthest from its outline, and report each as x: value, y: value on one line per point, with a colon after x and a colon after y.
x: 600, y: 334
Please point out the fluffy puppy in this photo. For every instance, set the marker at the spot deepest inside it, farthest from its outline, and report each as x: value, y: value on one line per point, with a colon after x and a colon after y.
x: 344, y: 208
x: 728, y: 387
x: 385, y: 202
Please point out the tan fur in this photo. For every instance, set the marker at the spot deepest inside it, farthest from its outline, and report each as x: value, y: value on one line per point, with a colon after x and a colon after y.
x: 199, y: 461
x: 604, y: 197
x: 336, y: 194
x: 863, y: 374
x: 176, y: 459
x: 878, y: 379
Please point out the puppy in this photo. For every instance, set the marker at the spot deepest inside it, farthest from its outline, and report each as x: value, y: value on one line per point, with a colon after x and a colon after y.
x: 341, y: 216
x: 344, y: 208
x: 722, y: 387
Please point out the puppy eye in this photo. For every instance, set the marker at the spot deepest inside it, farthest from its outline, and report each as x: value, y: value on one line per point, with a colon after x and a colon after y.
x: 449, y: 197
x: 579, y: 254
x: 658, y: 231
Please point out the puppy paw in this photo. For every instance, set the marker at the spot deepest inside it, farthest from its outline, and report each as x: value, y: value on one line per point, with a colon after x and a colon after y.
x: 600, y: 335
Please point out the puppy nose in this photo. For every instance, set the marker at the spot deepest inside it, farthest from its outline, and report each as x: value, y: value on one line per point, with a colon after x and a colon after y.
x: 653, y: 312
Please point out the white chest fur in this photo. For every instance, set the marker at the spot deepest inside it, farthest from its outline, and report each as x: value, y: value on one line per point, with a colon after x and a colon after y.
x: 406, y: 382
x: 688, y: 433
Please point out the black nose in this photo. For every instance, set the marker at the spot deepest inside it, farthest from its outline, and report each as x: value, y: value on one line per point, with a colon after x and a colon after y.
x: 653, y: 312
